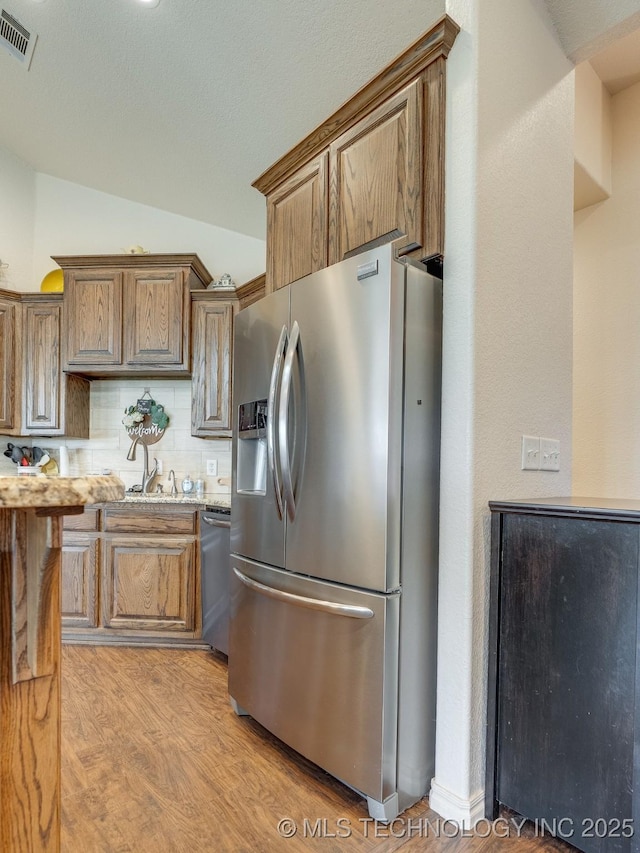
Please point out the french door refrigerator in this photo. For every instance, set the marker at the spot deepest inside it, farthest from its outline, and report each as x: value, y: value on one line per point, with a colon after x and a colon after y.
x: 334, y: 521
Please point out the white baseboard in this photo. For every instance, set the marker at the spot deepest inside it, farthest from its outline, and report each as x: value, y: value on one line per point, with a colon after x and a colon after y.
x: 465, y: 812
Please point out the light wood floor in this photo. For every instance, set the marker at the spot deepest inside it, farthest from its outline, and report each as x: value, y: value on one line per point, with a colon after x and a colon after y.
x: 155, y: 761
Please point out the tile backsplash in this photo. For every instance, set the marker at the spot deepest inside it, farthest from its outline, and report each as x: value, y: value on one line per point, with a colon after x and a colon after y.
x: 109, y: 442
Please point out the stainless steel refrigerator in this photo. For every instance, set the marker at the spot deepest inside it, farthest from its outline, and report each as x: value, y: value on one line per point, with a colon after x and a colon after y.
x: 334, y: 522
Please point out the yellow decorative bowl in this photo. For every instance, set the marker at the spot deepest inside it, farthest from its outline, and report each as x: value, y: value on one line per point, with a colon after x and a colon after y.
x: 53, y: 282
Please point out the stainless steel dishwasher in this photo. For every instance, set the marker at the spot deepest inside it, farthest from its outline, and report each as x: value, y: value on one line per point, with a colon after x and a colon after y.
x: 214, y: 562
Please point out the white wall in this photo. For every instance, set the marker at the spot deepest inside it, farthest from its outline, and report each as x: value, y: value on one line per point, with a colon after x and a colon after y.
x: 17, y: 214
x: 507, y: 333
x: 607, y: 322
x: 592, y: 139
x: 75, y: 220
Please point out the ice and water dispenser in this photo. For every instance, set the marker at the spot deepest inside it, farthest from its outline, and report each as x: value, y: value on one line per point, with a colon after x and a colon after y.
x: 252, y: 447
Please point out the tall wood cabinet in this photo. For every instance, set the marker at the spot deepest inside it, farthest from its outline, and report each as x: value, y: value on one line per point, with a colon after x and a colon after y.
x: 372, y: 172
x: 212, y: 328
x: 9, y: 402
x: 37, y: 398
x: 55, y: 403
x: 563, y: 721
x: 129, y: 314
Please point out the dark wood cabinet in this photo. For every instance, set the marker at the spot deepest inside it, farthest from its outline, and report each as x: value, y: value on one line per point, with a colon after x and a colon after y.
x: 372, y: 172
x: 128, y: 315
x: 562, y: 722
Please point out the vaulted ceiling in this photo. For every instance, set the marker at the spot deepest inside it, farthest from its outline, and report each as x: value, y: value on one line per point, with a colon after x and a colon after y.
x: 181, y: 106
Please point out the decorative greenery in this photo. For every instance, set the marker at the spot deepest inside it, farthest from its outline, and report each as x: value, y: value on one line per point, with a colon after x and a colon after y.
x: 136, y: 414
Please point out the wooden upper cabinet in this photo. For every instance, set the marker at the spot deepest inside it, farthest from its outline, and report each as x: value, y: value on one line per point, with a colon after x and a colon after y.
x: 297, y: 224
x: 53, y: 403
x: 158, y: 327
x: 9, y: 308
x: 93, y: 317
x: 212, y: 325
x: 383, y: 154
x: 36, y: 398
x: 129, y: 314
x: 377, y: 178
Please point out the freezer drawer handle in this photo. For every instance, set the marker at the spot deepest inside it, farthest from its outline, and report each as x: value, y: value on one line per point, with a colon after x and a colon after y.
x: 352, y: 610
x: 271, y: 419
x: 214, y: 522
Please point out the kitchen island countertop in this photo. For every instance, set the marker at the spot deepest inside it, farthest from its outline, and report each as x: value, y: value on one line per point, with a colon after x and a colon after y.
x: 24, y: 492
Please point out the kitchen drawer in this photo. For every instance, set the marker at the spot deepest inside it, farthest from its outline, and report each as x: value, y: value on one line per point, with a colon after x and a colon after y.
x: 149, y: 520
x: 89, y: 520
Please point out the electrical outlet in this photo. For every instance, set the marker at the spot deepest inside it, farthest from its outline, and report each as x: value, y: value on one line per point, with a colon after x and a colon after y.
x: 159, y: 464
x: 212, y: 467
x: 530, y: 453
x: 549, y: 454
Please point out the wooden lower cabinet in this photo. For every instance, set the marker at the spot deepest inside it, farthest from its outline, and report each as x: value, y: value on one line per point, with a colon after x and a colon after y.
x: 131, y: 574
x: 79, y: 580
x: 148, y: 583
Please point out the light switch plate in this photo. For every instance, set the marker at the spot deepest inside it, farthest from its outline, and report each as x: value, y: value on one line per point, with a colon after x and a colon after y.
x: 549, y: 454
x: 530, y: 453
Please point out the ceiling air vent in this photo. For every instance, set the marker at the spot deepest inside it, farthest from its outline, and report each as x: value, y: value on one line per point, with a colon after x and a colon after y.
x: 16, y: 38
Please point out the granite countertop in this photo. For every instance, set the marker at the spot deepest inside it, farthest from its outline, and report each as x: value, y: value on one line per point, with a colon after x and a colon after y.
x: 22, y: 492
x: 199, y: 501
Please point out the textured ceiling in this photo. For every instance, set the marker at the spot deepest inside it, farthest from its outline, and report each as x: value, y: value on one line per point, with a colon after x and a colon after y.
x: 181, y: 107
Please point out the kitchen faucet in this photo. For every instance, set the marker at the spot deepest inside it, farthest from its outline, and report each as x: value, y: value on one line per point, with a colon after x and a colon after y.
x: 147, y: 476
x: 172, y: 480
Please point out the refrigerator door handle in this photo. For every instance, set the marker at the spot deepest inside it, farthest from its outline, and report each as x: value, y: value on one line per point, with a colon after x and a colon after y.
x: 283, y: 425
x: 351, y: 610
x: 271, y: 419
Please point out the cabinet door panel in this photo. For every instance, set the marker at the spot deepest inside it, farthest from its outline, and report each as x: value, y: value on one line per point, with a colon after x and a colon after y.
x: 7, y: 365
x: 93, y: 317
x: 148, y: 584
x: 154, y: 311
x: 79, y: 581
x: 376, y: 178
x: 297, y: 225
x: 567, y: 658
x: 43, y: 370
x: 211, y: 374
